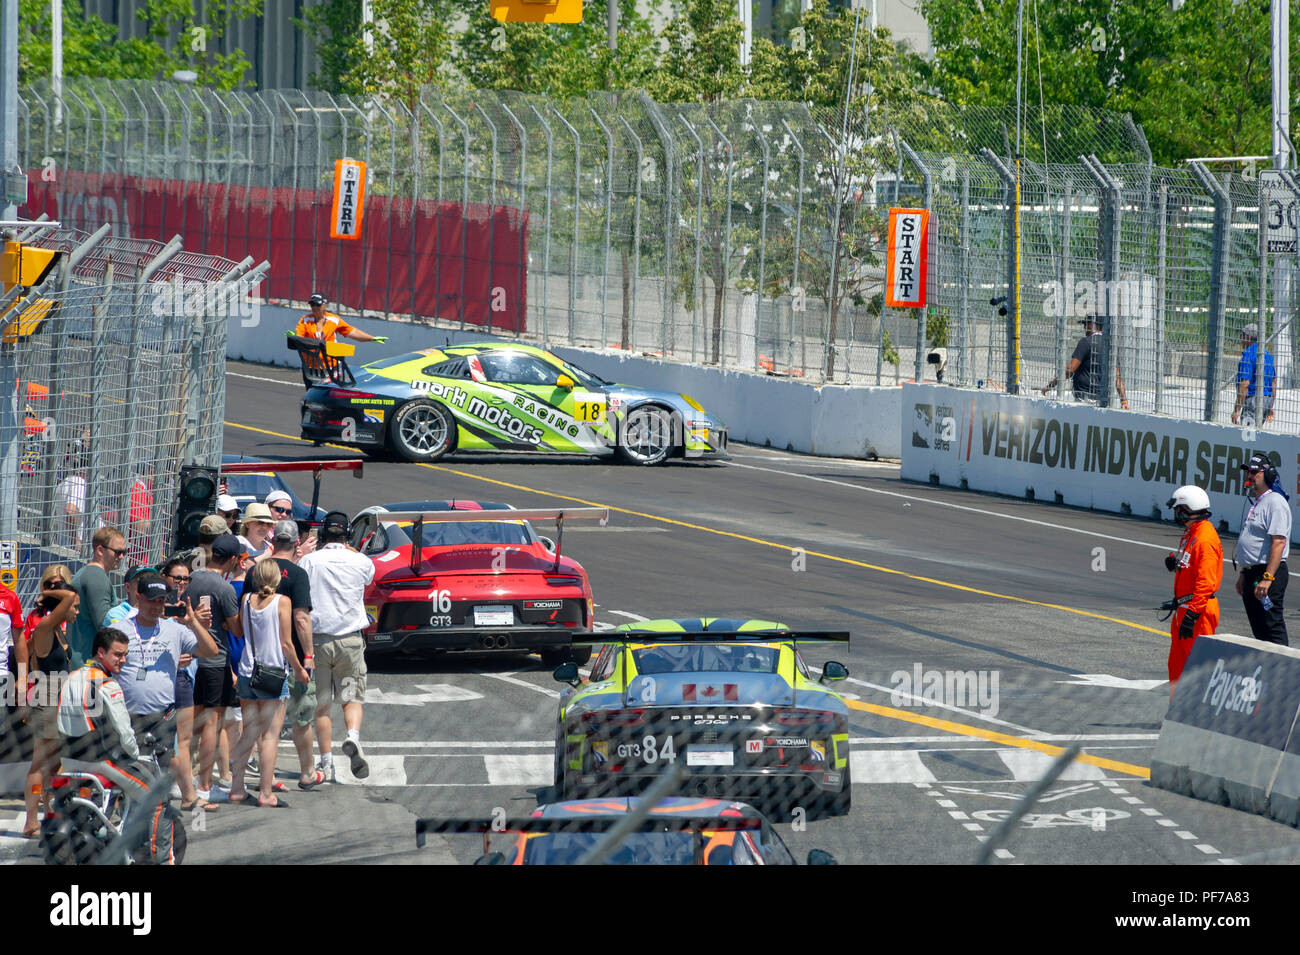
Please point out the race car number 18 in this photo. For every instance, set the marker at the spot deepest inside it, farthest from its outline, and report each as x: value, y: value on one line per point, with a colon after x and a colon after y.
x: 649, y: 750
x: 589, y: 407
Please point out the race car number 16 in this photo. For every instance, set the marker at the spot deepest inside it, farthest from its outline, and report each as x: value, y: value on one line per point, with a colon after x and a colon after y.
x: 649, y: 750
x: 441, y: 601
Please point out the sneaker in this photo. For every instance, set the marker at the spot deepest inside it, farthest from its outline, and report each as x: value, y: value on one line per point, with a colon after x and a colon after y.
x: 328, y: 771
x: 176, y: 791
x: 352, y: 750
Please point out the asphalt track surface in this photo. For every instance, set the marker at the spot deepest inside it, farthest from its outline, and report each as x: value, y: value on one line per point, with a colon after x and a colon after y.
x: 1055, y: 604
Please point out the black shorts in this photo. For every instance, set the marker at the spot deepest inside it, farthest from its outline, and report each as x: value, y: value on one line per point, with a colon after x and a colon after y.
x: 213, y: 686
x: 184, y: 690
x: 162, y: 726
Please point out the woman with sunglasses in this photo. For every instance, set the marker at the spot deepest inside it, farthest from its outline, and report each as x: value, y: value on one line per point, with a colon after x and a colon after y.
x: 47, y: 654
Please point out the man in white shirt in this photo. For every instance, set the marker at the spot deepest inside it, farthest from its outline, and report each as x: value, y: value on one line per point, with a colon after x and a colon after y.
x: 339, y: 575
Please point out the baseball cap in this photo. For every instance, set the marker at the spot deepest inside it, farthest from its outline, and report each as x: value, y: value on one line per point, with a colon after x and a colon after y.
x: 226, y: 503
x: 151, y: 586
x: 1259, y: 461
x: 336, y: 522
x: 277, y: 496
x: 316, y: 299
x: 285, y: 531
x: 215, y: 525
x: 136, y: 570
x: 258, y: 512
x: 1250, y: 331
x: 1094, y: 319
x: 226, y: 546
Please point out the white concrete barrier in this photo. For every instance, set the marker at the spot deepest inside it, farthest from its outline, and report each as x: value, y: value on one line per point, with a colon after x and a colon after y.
x: 1229, y: 736
x: 838, y: 420
x: 1119, y: 461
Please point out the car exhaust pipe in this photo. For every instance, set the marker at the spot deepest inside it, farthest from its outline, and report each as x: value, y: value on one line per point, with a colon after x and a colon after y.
x: 503, y: 642
x: 702, y: 789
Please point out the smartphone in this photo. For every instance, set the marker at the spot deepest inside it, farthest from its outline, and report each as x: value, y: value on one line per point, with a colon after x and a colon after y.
x: 205, y: 602
x: 174, y: 610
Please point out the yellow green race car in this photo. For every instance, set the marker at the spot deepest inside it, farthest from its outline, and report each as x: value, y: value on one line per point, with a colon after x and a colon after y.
x: 731, y: 698
x: 505, y: 396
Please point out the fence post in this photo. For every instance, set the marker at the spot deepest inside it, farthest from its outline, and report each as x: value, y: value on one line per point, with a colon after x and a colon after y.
x: 546, y: 244
x: 1261, y: 339
x: 927, y: 186
x: 721, y: 291
x: 757, y: 126
x: 1013, y: 286
x: 794, y: 279
x: 1162, y: 287
x: 392, y: 193
x: 521, y: 318
x: 1108, y: 251
x: 1218, y: 283
x: 492, y: 206
x: 577, y: 204
x: 629, y: 329
x: 609, y: 198
x: 669, y: 221
x: 464, y: 209
x: 964, y: 375
x: 437, y: 229
x: 697, y: 295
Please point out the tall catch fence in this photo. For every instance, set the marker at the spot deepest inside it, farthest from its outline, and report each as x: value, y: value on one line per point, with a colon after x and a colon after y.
x: 115, y: 364
x: 743, y: 234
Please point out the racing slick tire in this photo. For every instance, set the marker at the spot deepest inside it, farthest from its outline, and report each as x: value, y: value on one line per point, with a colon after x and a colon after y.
x: 421, y: 430
x: 646, y: 436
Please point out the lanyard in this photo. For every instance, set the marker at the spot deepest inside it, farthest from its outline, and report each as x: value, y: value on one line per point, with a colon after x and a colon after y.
x: 145, y: 647
x: 1255, y: 504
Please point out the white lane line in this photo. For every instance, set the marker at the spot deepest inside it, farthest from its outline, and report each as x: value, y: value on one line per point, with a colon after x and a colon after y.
x: 957, y: 507
x: 270, y: 381
x: 441, y: 744
x: 883, y: 767
x: 519, y: 770
x: 895, y: 694
x: 629, y: 614
x: 1026, y: 765
x: 384, y: 771
x: 507, y: 678
x: 1041, y: 737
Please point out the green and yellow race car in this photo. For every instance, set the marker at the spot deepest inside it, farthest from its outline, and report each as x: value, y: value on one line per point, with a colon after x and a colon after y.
x: 732, y: 698
x: 505, y: 396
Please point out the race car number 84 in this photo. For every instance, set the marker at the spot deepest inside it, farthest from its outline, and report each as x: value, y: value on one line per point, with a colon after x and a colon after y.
x: 649, y: 750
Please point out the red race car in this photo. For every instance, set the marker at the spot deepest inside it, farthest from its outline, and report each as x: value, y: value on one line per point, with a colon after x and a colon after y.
x: 449, y: 576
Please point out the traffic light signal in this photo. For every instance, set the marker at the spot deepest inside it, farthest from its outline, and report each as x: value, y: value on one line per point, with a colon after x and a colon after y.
x: 197, y: 499
x: 537, y: 11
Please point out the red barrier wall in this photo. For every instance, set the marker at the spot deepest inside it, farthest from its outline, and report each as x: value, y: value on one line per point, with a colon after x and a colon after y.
x: 426, y: 258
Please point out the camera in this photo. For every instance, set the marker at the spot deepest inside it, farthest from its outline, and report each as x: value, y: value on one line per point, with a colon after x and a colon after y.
x: 174, y: 610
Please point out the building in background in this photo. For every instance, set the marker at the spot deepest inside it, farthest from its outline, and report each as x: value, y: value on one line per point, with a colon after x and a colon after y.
x: 283, y: 57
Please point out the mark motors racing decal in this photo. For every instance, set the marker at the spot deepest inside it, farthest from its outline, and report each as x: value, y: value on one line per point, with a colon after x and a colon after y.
x: 502, y: 418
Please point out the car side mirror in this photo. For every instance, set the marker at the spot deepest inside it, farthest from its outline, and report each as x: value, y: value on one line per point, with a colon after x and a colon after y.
x: 565, y: 382
x: 547, y: 543
x: 821, y: 857
x: 832, y: 670
x: 566, y: 673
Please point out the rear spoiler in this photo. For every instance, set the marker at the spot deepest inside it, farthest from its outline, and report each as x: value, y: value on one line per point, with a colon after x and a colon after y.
x: 488, y: 827
x: 420, y: 518
x: 713, y: 636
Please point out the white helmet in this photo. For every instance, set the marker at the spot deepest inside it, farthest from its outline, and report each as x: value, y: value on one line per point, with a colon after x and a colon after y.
x: 1187, y: 500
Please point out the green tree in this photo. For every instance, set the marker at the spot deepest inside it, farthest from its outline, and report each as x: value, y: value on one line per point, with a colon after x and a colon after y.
x: 891, y: 85
x: 701, y: 61
x: 558, y: 60
x: 333, y: 26
x: 198, y: 36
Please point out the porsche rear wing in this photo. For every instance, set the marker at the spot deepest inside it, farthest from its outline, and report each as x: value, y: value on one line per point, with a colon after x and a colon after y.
x: 419, y: 518
x: 713, y: 636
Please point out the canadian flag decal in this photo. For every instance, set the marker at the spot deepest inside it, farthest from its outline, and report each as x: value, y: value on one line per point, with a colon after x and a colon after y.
x: 688, y: 692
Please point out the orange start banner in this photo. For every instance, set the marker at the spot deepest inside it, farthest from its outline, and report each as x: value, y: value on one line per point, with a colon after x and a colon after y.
x: 349, y: 199
x: 905, y: 260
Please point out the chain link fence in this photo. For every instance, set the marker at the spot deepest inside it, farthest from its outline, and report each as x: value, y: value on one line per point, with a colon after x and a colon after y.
x: 706, y: 232
x: 116, y: 362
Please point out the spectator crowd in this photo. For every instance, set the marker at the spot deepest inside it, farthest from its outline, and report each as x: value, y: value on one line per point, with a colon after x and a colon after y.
x: 255, y: 632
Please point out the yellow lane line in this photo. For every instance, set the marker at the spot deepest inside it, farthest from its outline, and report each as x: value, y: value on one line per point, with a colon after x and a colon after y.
x: 754, y: 540
x: 995, y: 737
x: 917, y: 718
